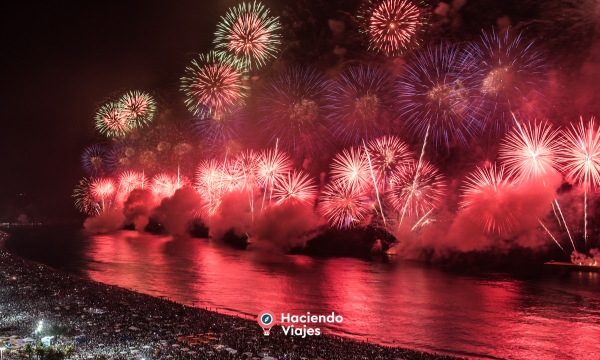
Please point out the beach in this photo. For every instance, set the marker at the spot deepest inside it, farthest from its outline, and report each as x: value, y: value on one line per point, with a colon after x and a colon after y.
x: 104, y: 320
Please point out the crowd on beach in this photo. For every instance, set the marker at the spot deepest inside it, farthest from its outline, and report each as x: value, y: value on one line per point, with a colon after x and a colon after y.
x: 104, y: 321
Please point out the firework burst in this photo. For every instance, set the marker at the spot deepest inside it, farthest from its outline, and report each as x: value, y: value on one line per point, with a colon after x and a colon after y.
x: 435, y: 91
x: 293, y: 110
x: 530, y: 152
x: 139, y: 107
x: 273, y: 165
x: 393, y: 26
x: 510, y: 73
x: 164, y: 185
x: 387, y: 154
x: 220, y: 127
x: 112, y: 121
x: 344, y: 206
x: 486, y: 199
x: 129, y: 180
x: 94, y: 160
x: 248, y: 36
x: 580, y: 154
x: 84, y: 200
x: 416, y: 189
x: 296, y: 188
x: 360, y: 102
x: 211, y: 86
x: 351, y: 167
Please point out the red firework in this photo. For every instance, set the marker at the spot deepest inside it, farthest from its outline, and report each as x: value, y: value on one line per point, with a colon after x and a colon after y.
x: 530, y: 152
x: 351, y: 167
x: 387, y: 154
x: 295, y: 188
x: 247, y: 165
x: 344, y: 206
x: 416, y: 189
x: 164, y: 185
x: 580, y: 154
x: 129, y: 180
x: 103, y: 188
x: 211, y: 86
x: 486, y: 199
x: 273, y: 165
x: 393, y: 26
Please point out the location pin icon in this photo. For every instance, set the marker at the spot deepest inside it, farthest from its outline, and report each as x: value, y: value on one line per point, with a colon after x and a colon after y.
x: 266, y: 320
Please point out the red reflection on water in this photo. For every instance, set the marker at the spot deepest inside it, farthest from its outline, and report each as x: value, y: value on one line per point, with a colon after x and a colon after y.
x: 402, y: 303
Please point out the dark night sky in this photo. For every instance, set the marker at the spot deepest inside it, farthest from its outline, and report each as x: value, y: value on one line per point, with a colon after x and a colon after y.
x: 60, y: 58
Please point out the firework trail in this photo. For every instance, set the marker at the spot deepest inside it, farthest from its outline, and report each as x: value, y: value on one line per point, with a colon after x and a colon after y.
x: 101, y: 189
x: 344, y: 206
x: 351, y: 167
x: 393, y: 26
x: 296, y: 188
x: 387, y: 154
x: 436, y: 91
x: 112, y: 121
x: 485, y: 199
x: 139, y: 107
x: 553, y: 238
x: 248, y: 36
x: 292, y: 109
x: 361, y: 102
x: 530, y: 152
x: 211, y: 86
x: 580, y: 156
x: 565, y: 223
x: 510, y: 71
x: 84, y: 200
x: 375, y: 184
x: 94, y: 160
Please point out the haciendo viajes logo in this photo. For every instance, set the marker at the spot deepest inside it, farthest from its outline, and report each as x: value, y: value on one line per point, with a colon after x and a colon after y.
x: 297, y: 325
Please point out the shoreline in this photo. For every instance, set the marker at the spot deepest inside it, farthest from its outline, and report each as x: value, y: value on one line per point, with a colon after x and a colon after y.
x: 121, y: 323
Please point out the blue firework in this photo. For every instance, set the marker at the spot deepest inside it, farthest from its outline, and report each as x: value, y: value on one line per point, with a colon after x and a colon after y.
x: 94, y: 160
x: 361, y: 104
x: 293, y: 109
x: 437, y: 96
x: 511, y: 74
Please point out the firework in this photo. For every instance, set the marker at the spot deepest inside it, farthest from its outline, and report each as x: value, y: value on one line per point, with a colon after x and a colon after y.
x: 296, y: 188
x: 248, y: 36
x: 247, y: 165
x: 164, y: 185
x: 387, y: 154
x: 102, y: 189
x: 510, y: 73
x: 416, y: 189
x: 219, y: 127
x: 360, y: 102
x: 351, y: 167
x: 94, y: 160
x: 130, y: 180
x: 211, y: 86
x: 84, y: 200
x: 393, y: 26
x: 111, y: 120
x: 344, y: 206
x: 436, y: 91
x: 273, y: 165
x: 139, y: 107
x: 293, y: 110
x: 580, y: 154
x: 210, y: 182
x: 485, y: 199
x: 530, y: 152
